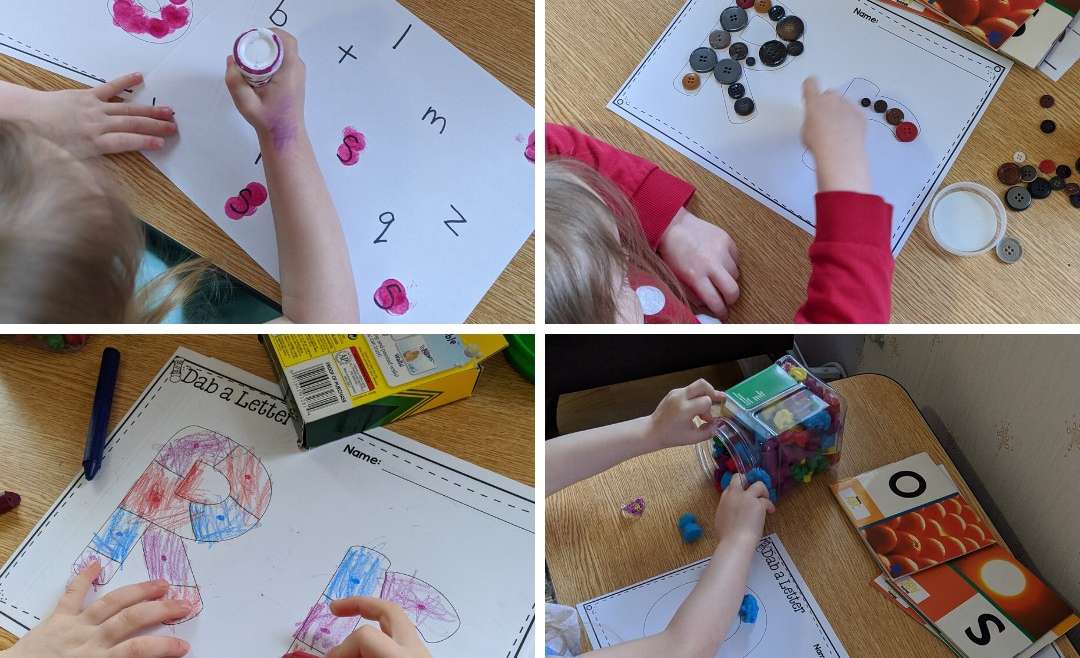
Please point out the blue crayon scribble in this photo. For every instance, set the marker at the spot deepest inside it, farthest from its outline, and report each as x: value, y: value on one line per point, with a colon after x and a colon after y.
x: 221, y: 522
x: 119, y: 534
x: 359, y: 574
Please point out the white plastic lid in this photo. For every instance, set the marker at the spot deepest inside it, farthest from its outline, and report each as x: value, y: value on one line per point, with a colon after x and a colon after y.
x: 258, y: 51
x: 967, y: 219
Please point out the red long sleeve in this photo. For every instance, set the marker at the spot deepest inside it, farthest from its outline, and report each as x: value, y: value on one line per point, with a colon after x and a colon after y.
x: 851, y: 262
x: 656, y: 195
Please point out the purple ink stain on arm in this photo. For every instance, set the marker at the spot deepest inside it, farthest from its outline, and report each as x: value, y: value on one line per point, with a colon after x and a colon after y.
x: 392, y: 298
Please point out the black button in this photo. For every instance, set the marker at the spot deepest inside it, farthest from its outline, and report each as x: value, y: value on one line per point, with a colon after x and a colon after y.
x: 703, y: 60
x: 1018, y: 198
x: 1039, y: 188
x: 880, y: 107
x: 1057, y: 183
x: 1028, y: 173
x: 795, y: 48
x: 734, y: 19
x: 728, y: 72
x: 736, y: 90
x: 744, y: 106
x: 773, y: 53
x: 1048, y: 126
x: 750, y: 61
x: 790, y: 29
x: 739, y: 51
x: 866, y: 102
x: 777, y: 12
x: 1065, y: 171
x: 1075, y: 200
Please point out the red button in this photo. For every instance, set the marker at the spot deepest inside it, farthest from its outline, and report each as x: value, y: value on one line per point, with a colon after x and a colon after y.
x: 907, y: 132
x: 1047, y: 166
x: 745, y: 4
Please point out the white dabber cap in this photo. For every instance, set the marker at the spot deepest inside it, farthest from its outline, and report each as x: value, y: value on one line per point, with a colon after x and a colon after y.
x: 259, y: 54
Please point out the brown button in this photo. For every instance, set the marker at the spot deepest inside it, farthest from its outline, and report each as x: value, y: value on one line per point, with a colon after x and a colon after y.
x: 1047, y: 101
x: 763, y: 6
x: 790, y: 28
x: 1009, y: 173
x: 1073, y: 188
x: 880, y: 107
x: 895, y: 116
x: 691, y: 82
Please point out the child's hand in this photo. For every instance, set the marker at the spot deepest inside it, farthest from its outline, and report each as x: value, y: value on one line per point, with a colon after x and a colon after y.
x: 740, y: 516
x: 835, y: 133
x: 107, y: 628
x: 705, y: 259
x: 276, y: 110
x: 672, y: 424
x: 397, y: 639
x: 86, y: 124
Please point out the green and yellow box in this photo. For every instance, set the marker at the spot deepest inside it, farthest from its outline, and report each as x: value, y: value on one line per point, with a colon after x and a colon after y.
x: 338, y: 385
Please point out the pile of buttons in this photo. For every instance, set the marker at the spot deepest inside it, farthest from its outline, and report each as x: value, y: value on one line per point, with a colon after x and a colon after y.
x: 1025, y: 185
x: 729, y: 71
x: 906, y: 131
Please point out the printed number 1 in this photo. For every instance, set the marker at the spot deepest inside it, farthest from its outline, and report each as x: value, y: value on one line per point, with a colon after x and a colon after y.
x: 386, y: 219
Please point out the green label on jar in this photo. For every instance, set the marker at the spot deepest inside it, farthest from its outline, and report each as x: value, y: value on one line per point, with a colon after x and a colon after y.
x: 763, y: 386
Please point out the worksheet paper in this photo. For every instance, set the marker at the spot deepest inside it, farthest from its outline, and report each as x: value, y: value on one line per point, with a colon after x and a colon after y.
x: 942, y: 82
x: 426, y: 154
x: 790, y: 623
x: 203, y: 485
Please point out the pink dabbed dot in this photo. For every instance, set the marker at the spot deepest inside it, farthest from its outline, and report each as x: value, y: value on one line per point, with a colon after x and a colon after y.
x: 392, y: 297
x: 132, y: 17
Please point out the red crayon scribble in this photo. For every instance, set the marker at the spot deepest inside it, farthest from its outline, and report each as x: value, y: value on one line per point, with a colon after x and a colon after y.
x: 392, y: 298
x: 133, y: 18
x: 247, y: 202
x: 352, y: 144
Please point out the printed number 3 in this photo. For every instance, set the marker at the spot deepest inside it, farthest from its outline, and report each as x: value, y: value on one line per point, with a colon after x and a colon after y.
x: 386, y: 219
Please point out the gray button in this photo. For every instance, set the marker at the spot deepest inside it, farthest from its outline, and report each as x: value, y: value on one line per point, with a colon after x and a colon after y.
x: 734, y: 19
x: 703, y: 60
x: 1018, y: 198
x: 1010, y: 250
x: 728, y: 72
x: 720, y: 39
x: 1028, y: 173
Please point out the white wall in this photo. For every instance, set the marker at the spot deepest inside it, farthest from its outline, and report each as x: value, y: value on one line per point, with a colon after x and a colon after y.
x: 1012, y: 404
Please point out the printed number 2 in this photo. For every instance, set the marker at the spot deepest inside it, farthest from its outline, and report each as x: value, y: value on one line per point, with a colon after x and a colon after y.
x: 984, y: 622
x: 386, y: 219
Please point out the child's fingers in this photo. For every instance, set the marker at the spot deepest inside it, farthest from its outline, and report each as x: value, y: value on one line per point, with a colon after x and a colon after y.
x: 151, y: 647
x: 700, y: 388
x: 738, y: 483
x: 758, y: 490
x: 112, y: 143
x: 712, y: 298
x: 290, y: 45
x: 116, y: 87
x: 367, y: 641
x: 242, y: 93
x: 162, y: 112
x: 71, y: 603
x: 391, y: 618
x: 726, y: 284
x: 143, y: 616
x: 810, y: 89
x: 120, y: 599
x: 142, y: 126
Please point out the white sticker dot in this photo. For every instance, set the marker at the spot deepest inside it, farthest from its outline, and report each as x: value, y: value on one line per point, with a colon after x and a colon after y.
x: 652, y: 300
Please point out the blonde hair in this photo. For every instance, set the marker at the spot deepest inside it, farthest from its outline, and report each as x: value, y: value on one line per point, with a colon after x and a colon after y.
x: 70, y: 249
x: 594, y: 240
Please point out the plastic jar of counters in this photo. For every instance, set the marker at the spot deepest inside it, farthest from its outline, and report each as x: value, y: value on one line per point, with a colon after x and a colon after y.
x: 782, y: 427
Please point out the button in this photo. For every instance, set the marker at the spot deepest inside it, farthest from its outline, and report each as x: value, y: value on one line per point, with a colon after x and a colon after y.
x: 1048, y: 126
x: 1009, y: 173
x: 1072, y: 188
x: 691, y: 82
x: 1019, y: 157
x: 777, y: 12
x: 720, y: 39
x: 734, y: 19
x: 1018, y: 198
x: 1057, y: 183
x: 739, y: 51
x: 744, y: 107
x: 728, y: 72
x: 1028, y: 173
x: 790, y: 28
x: 1065, y: 171
x: 795, y: 48
x: 745, y: 4
x: 907, y: 132
x: 1010, y: 250
x: 773, y: 53
x: 1039, y: 188
x: 703, y: 60
x: 1075, y: 200
x: 895, y: 117
x: 750, y: 61
x: 881, y: 107
x: 866, y: 102
x: 1046, y: 101
x: 1047, y: 167
x: 763, y: 6
x: 736, y: 90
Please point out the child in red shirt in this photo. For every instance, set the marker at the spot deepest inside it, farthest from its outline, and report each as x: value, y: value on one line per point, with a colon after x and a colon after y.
x: 623, y: 248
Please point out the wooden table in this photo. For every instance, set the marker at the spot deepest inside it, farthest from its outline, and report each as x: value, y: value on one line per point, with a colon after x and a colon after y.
x: 593, y: 550
x: 45, y: 401
x: 499, y: 36
x: 598, y: 47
